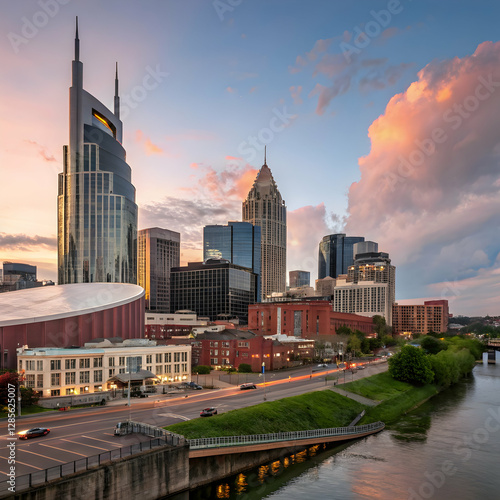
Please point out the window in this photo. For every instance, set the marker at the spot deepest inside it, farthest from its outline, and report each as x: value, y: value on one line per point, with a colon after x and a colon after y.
x: 111, y: 372
x: 30, y: 365
x: 159, y: 358
x: 70, y: 378
x: 20, y: 365
x: 30, y: 380
x: 149, y: 358
x: 121, y: 370
x: 97, y: 388
x: 55, y: 379
x: 97, y: 375
x: 242, y: 344
x: 70, y: 364
x: 55, y: 364
x: 84, y: 377
x: 39, y: 366
x: 85, y: 363
x: 169, y: 369
x: 214, y: 361
x: 159, y: 369
x: 121, y: 361
x: 55, y: 392
x: 97, y: 362
x: 177, y: 369
x: 168, y: 357
x: 184, y: 356
x: 70, y: 391
x: 39, y: 380
x: 111, y: 361
x: 177, y: 357
x: 149, y: 368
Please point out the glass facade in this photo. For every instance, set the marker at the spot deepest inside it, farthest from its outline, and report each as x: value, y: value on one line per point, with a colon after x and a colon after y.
x: 97, y: 213
x: 238, y: 243
x: 336, y: 254
x: 217, y: 290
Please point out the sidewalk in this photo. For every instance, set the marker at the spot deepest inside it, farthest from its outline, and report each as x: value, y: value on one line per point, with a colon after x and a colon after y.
x: 356, y: 397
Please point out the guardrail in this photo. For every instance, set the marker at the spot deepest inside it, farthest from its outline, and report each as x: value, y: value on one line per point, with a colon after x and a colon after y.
x: 219, y: 442
x: 40, y: 477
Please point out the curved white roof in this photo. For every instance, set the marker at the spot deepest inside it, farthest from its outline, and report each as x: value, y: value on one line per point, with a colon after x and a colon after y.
x: 48, y: 303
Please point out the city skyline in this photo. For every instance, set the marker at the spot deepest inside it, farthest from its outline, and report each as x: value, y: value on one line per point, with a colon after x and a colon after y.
x: 379, y: 117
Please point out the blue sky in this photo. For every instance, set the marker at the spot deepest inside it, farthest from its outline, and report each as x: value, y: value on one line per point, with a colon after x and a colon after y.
x: 291, y: 73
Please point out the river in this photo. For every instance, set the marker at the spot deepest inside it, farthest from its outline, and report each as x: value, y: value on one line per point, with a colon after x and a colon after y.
x: 448, y: 448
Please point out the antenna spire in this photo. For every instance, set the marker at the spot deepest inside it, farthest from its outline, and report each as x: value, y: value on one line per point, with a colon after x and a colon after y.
x: 265, y: 154
x: 117, y: 97
x: 77, y: 43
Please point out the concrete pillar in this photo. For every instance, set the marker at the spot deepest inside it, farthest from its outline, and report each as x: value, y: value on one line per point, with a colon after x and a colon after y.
x: 497, y: 357
x: 485, y: 358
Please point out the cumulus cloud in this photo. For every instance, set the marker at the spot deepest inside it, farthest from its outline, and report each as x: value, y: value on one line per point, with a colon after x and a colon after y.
x: 295, y: 93
x: 23, y: 242
x: 429, y: 187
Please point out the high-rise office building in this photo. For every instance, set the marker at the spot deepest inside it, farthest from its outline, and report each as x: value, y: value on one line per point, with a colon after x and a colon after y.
x: 336, y: 254
x: 368, y: 288
x: 158, y: 251
x: 299, y: 278
x: 264, y: 207
x: 97, y: 213
x: 215, y: 288
x: 238, y: 243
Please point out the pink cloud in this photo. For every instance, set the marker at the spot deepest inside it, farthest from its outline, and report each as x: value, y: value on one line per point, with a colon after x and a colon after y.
x: 429, y: 187
x: 147, y: 144
x: 231, y: 90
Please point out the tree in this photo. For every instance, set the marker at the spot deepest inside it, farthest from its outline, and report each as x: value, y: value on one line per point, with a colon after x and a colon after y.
x: 354, y: 344
x: 433, y: 345
x: 343, y: 330
x: 380, y: 325
x: 245, y: 368
x: 411, y: 365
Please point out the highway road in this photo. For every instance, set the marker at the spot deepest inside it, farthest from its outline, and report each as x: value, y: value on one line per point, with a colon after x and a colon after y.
x: 85, y: 432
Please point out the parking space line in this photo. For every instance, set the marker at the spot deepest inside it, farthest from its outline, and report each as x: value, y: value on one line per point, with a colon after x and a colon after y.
x: 22, y: 463
x: 43, y: 456
x: 83, y: 444
x: 65, y: 451
x: 102, y: 440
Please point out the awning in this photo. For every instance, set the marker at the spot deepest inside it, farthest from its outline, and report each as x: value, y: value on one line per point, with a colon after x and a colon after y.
x: 134, y: 377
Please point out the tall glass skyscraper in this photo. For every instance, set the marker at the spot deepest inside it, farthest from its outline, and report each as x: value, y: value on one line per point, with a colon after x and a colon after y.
x: 238, y: 243
x: 336, y: 254
x: 264, y: 207
x: 97, y: 213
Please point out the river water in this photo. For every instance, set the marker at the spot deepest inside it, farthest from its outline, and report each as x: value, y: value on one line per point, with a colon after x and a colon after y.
x: 448, y: 448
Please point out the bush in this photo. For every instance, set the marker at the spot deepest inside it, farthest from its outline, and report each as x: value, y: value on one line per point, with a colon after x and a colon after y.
x: 445, y: 368
x: 201, y: 369
x: 433, y: 345
x: 245, y: 368
x: 411, y: 365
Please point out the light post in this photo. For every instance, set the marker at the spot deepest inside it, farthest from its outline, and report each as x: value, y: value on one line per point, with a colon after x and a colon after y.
x: 264, y: 377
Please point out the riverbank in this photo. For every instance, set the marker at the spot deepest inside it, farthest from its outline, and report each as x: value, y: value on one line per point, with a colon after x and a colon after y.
x: 315, y: 410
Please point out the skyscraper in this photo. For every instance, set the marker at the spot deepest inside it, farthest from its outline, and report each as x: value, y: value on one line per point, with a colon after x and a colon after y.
x: 238, y: 243
x: 158, y: 252
x: 299, y: 278
x: 264, y: 207
x: 97, y: 214
x: 336, y: 254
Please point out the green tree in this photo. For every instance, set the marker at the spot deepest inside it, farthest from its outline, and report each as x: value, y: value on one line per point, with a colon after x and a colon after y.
x: 433, y: 345
x: 343, y: 330
x: 245, y: 368
x: 411, y: 365
x: 379, y: 325
x: 354, y: 345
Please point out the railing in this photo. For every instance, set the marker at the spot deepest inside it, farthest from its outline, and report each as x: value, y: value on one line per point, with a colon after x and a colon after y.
x: 218, y: 442
x: 40, y: 477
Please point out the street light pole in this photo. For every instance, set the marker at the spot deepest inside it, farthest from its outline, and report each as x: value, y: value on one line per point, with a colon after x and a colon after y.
x: 264, y: 376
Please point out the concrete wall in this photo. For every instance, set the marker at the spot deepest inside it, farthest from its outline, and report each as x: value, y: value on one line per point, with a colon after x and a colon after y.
x: 148, y: 476
x: 205, y: 470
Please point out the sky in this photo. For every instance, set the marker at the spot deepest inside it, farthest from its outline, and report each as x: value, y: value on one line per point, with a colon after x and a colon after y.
x: 380, y: 119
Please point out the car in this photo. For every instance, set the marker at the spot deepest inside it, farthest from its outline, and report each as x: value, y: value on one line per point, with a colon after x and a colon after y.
x: 195, y: 386
x: 322, y: 365
x: 361, y: 367
x: 208, y: 412
x: 35, y: 432
x: 244, y: 387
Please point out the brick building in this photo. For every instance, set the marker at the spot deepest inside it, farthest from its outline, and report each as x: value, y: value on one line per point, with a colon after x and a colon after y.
x: 306, y: 318
x: 233, y: 347
x: 414, y: 318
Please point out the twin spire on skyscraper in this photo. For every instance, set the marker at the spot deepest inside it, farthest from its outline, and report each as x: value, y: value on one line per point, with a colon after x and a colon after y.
x: 77, y: 58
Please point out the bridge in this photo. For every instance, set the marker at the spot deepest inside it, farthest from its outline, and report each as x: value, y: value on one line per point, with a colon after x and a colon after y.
x: 174, y: 464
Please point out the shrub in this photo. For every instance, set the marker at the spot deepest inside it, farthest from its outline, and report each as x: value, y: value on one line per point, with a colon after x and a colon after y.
x: 201, y: 369
x: 245, y: 368
x: 432, y: 345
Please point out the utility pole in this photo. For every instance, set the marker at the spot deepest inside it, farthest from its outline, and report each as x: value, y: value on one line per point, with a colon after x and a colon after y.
x: 264, y: 376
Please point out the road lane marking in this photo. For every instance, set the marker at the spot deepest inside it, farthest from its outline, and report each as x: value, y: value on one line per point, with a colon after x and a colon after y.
x: 173, y: 415
x: 83, y: 444
x: 63, y: 450
x: 44, y: 456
